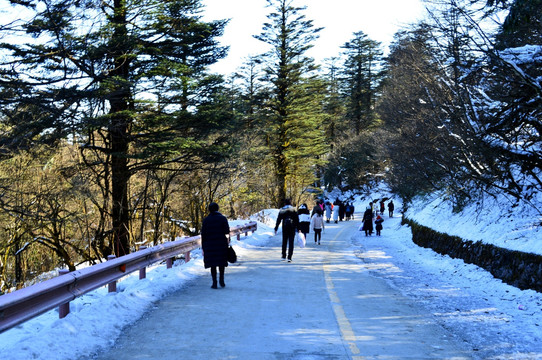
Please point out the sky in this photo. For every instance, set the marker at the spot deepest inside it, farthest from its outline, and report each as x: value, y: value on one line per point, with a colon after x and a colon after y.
x: 339, y: 18
x: 499, y: 321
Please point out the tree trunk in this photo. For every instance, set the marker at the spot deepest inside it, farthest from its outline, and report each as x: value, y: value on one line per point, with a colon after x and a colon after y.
x: 120, y: 177
x: 119, y: 100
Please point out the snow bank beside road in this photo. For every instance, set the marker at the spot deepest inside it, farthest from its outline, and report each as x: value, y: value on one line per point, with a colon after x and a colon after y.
x: 496, y: 222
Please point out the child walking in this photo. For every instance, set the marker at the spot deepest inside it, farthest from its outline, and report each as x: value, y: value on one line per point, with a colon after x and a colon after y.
x: 317, y: 224
x: 379, y: 220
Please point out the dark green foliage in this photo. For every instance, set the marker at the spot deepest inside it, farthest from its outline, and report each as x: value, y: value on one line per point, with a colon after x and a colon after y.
x: 293, y: 124
x: 126, y: 80
x: 360, y: 78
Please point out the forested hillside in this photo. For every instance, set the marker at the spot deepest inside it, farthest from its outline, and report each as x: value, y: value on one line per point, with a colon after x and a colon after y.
x: 114, y: 133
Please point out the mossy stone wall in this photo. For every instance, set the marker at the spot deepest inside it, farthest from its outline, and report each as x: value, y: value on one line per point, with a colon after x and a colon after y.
x: 520, y: 269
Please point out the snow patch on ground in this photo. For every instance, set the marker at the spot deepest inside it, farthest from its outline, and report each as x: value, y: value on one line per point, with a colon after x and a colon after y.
x: 494, y: 221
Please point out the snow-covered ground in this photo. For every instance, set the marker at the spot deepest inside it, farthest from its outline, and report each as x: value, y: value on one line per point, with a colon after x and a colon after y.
x: 498, y: 221
x: 497, y: 320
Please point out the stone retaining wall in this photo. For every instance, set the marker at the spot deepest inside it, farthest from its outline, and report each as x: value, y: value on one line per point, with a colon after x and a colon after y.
x: 520, y: 269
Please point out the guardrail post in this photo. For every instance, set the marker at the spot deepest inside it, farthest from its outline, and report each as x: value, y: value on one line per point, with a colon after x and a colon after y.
x: 187, y: 256
x: 142, y: 271
x: 238, y: 237
x: 112, y: 286
x: 64, y: 309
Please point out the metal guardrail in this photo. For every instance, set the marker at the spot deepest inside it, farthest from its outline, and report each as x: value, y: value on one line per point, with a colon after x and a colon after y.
x: 27, y: 303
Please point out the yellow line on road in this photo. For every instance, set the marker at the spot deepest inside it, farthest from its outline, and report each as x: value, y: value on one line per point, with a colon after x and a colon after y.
x: 347, y: 332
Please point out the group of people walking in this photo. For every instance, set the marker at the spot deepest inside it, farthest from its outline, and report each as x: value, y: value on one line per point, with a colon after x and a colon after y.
x: 337, y: 210
x: 215, y: 229
x: 301, y: 220
x: 371, y: 214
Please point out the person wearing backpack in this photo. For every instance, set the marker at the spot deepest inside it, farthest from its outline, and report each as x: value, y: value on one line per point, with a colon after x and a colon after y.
x: 290, y: 223
x: 317, y: 225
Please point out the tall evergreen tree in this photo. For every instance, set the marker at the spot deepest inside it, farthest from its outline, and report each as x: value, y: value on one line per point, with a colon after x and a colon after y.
x: 361, y: 75
x: 123, y: 78
x: 294, y: 136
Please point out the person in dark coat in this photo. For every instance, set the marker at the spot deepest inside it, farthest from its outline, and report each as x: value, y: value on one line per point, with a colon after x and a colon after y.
x: 391, y: 207
x: 349, y: 210
x: 290, y: 223
x: 342, y: 210
x: 368, y: 221
x: 215, y: 243
x: 378, y: 222
x: 318, y: 208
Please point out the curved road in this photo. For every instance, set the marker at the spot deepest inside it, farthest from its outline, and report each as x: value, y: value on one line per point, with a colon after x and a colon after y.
x: 323, y: 305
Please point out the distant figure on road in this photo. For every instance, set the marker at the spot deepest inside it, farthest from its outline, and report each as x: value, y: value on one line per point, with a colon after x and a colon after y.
x: 378, y: 223
x: 391, y: 207
x: 317, y: 225
x: 318, y: 208
x: 336, y: 208
x: 329, y: 208
x: 214, y: 242
x: 367, y: 225
x: 342, y: 210
x: 349, y: 211
x: 290, y: 223
x: 304, y: 219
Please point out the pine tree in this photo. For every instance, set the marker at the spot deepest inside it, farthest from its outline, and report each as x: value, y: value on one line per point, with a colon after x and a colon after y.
x: 294, y: 135
x: 124, y: 78
x: 361, y: 75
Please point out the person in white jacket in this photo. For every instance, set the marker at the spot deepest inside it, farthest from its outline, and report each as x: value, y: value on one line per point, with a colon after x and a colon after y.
x: 317, y: 224
x: 336, y: 212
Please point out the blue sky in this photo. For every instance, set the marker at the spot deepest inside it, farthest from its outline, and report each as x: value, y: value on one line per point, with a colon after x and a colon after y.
x: 340, y: 19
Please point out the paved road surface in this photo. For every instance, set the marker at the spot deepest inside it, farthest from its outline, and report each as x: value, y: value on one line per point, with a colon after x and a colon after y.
x: 323, y: 305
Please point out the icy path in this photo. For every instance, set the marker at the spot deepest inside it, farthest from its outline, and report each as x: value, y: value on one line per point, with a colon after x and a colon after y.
x: 327, y: 304
x: 496, y: 320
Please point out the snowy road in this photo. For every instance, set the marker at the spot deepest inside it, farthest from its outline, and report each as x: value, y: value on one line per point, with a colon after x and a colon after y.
x: 326, y: 304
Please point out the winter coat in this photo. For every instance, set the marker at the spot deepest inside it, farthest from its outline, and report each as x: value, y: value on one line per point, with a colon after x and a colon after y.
x: 214, y: 241
x: 317, y: 209
x: 378, y: 223
x: 391, y: 206
x: 336, y: 212
x: 304, y: 220
x: 342, y: 210
x: 368, y: 220
x: 317, y: 221
x: 289, y: 218
x: 328, y: 210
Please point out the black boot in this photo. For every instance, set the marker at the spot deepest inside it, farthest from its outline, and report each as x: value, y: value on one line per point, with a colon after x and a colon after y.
x: 222, y: 284
x: 213, y: 275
